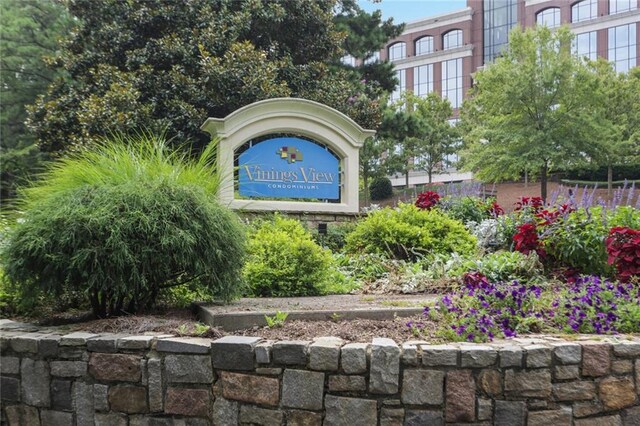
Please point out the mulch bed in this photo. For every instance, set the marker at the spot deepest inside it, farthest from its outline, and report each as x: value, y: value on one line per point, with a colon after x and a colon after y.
x: 183, y: 323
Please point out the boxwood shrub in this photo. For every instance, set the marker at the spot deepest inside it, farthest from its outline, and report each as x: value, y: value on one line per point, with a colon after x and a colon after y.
x: 283, y: 260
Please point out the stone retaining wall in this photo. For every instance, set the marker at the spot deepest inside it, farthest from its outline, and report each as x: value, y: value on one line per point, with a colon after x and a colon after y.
x: 87, y: 379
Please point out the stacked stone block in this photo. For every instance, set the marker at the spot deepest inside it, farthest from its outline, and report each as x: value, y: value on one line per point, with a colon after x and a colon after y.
x: 88, y: 379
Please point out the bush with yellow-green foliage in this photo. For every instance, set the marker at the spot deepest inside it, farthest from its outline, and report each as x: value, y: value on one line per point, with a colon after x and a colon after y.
x: 283, y: 260
x: 408, y: 232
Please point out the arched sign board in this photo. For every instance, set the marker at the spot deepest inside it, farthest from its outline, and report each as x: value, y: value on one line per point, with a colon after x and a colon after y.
x: 288, y: 154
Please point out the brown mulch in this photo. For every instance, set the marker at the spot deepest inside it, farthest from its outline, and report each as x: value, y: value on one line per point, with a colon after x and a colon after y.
x: 359, y: 330
x: 181, y: 322
x: 176, y: 322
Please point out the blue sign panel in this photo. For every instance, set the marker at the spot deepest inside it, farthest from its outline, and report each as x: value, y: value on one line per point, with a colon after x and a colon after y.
x: 288, y: 167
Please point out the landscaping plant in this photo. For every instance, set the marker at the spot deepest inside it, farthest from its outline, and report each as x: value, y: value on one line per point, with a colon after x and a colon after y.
x: 335, y: 237
x: 380, y: 189
x: 468, y: 209
x: 408, y: 232
x: 623, y: 249
x: 482, y: 310
x: 427, y: 200
x: 596, y: 305
x: 123, y: 223
x: 283, y: 261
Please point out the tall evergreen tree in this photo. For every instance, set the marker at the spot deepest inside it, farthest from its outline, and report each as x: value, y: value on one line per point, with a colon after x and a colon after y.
x: 29, y: 33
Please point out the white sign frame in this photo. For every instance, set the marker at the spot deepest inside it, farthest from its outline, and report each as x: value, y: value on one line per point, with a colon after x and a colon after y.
x: 289, y: 116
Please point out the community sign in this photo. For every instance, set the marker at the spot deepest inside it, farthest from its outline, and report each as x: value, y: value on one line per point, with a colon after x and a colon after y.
x: 290, y: 155
x: 288, y: 167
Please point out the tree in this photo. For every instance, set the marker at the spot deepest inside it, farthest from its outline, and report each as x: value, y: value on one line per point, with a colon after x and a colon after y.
x: 29, y: 31
x: 619, y: 109
x: 436, y: 137
x: 418, y: 134
x: 399, y: 130
x: 159, y: 64
x: 370, y: 164
x: 366, y: 34
x: 530, y: 109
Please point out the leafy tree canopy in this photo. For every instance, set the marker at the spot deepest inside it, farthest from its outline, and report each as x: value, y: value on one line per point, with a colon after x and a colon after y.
x: 418, y: 133
x: 531, y: 109
x: 619, y: 111
x: 29, y: 31
x: 159, y: 64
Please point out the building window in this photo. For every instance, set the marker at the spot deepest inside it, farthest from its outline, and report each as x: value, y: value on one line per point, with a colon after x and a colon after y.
x: 375, y: 57
x: 452, y: 39
x: 584, y: 10
x: 397, y: 51
x: 423, y: 80
x: 585, y: 44
x: 452, y: 81
x: 500, y: 17
x: 401, y: 75
x: 619, y: 6
x: 424, y: 45
x: 348, y: 60
x: 549, y: 17
x: 622, y: 47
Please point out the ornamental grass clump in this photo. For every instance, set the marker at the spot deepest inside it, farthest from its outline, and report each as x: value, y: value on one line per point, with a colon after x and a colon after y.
x: 124, y: 223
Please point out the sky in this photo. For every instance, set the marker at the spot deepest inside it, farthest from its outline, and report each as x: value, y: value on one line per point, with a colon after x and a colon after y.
x: 410, y: 10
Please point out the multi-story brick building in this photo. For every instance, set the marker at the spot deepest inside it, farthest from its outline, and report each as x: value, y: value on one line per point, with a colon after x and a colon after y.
x: 441, y: 53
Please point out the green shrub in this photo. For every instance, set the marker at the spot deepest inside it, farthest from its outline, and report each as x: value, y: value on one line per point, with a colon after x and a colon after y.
x: 335, y: 238
x: 380, y: 189
x: 625, y: 216
x: 122, y: 224
x: 283, y: 260
x: 410, y: 233
x: 577, y: 241
x: 466, y: 209
x: 363, y: 267
x: 500, y: 266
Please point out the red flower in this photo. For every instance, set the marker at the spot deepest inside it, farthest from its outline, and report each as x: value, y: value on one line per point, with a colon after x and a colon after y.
x: 495, y: 210
x: 534, y: 202
x: 427, y: 200
x: 527, y: 240
x: 623, y: 248
x: 547, y: 217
